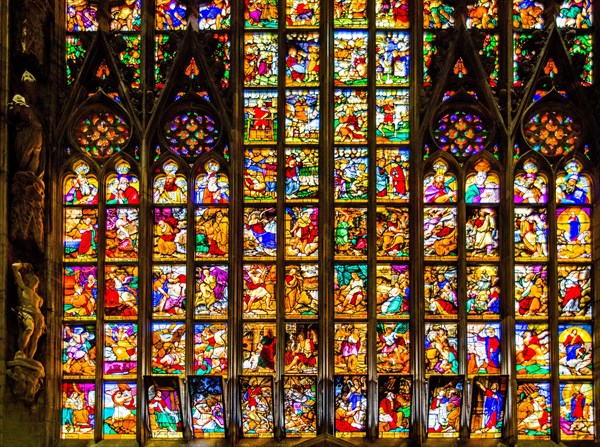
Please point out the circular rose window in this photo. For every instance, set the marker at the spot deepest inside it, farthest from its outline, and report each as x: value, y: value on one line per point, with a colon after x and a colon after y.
x: 101, y: 134
x: 461, y: 133
x: 191, y: 134
x: 552, y: 133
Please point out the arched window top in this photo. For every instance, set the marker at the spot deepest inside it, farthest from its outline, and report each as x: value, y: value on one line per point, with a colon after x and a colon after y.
x: 531, y: 185
x: 170, y: 186
x: 440, y: 185
x: 212, y: 184
x: 482, y: 184
x: 80, y: 186
x: 572, y: 185
x: 122, y: 185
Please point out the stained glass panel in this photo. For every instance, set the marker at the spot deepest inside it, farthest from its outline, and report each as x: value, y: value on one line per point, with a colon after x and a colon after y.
x: 393, y: 348
x: 80, y: 292
x: 301, y: 348
x: 482, y: 234
x: 210, y: 349
x: 122, y: 186
x: 79, y: 351
x: 392, y: 173
x: 350, y: 348
x: 441, y: 299
x: 350, y: 116
x: 482, y: 14
x: 169, y: 186
x: 260, y: 59
x: 81, y: 234
x: 437, y: 14
x: 122, y: 234
x: 101, y: 133
x: 350, y: 174
x: 302, y: 12
x: 212, y: 185
x: 301, y: 174
x: 168, y: 348
x: 350, y: 405
x: 349, y: 14
x: 445, y: 406
x: 574, y: 291
x: 126, y: 17
x: 164, y: 407
x: 302, y: 63
x: 574, y: 350
x: 259, y: 290
x: 531, y: 234
x: 119, y: 410
x: 301, y: 231
x: 261, y: 14
x: 393, y: 291
x: 392, y: 116
x: 439, y: 229
x: 530, y: 185
x: 206, y: 403
x: 302, y: 120
x: 301, y: 290
x: 577, y: 411
x: 121, y: 292
x: 531, y: 290
x: 394, y: 396
x: 440, y: 186
x: 168, y: 291
x: 534, y: 410
x: 260, y: 174
x: 212, y: 233
x: 574, y: 233
x: 120, y: 349
x: 212, y: 291
x: 483, y: 291
x: 300, y: 401
x: 170, y: 234
x: 214, y: 14
x: 483, y: 348
x: 487, y: 410
x: 441, y: 348
x: 77, y: 413
x: 392, y: 232
x: 81, y: 16
x: 392, y: 14
x: 350, y: 290
x: 532, y: 349
x: 528, y: 14
x: 260, y: 116
x: 259, y: 348
x: 256, y: 395
x: 575, y: 14
x: 350, y: 58
x: 170, y: 15
x: 482, y: 186
x: 573, y: 187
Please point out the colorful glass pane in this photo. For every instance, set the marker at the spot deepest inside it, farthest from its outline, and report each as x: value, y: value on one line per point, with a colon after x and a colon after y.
x: 164, y: 407
x: 192, y: 133
x: 260, y: 232
x: 81, y: 234
x: 441, y: 299
x: 392, y: 172
x: 168, y: 348
x: 575, y: 14
x: 79, y: 351
x: 489, y: 52
x: 481, y: 234
x: 573, y: 187
x: 302, y: 13
x: 350, y: 405
x: 168, y: 291
x: 392, y: 232
x: 169, y: 186
x: 301, y: 290
x: 532, y: 349
x: 393, y: 291
x: 580, y: 50
x: 210, y: 348
x: 430, y: 49
x: 439, y: 230
x: 525, y: 54
x: 120, y: 349
x: 483, y: 348
x: 534, y: 410
x: 121, y: 292
x: 350, y: 290
x: 350, y: 58
x: 531, y: 290
x: 221, y: 57
x: 436, y: 14
x: 349, y: 14
x: 302, y: 232
x: 301, y: 348
x: 350, y: 174
x: 75, y: 55
x: 260, y: 116
x: 528, y: 14
x: 170, y: 15
x: 350, y: 348
x: 212, y: 186
x: 392, y: 14
x: 302, y: 121
x: 574, y: 233
x: 393, y: 348
x: 259, y: 290
x: 119, y: 411
x: 211, y: 297
x: 350, y: 232
x: 394, y: 396
x: 130, y: 57
x: 483, y: 291
x: 530, y: 185
x: 574, y: 291
x: 256, y: 396
x: 101, y: 134
x: 212, y: 233
x: 299, y: 401
x: 164, y: 53
x: 261, y: 14
x: 440, y: 186
x: 531, y: 234
x: 127, y: 16
x: 576, y: 411
x: 552, y: 133
x: 259, y: 348
x: 487, y: 409
x: 77, y: 412
x: 260, y: 174
x: 122, y: 187
x: 206, y: 403
x: 461, y: 133
x: 482, y: 14
x: 350, y: 116
x: 392, y: 108
x: 80, y: 292
x: 445, y: 406
x: 214, y: 14
x: 122, y: 232
x: 301, y: 173
x: 482, y: 186
x: 302, y: 62
x: 393, y: 57
x: 81, y: 16
x: 441, y: 348
x: 170, y: 234
x: 260, y: 59
x: 574, y: 350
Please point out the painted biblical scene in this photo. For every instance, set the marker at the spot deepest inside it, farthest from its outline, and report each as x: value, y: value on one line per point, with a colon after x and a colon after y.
x: 483, y: 291
x: 531, y: 186
x: 350, y: 173
x: 394, y: 396
x: 260, y: 116
x: 482, y: 185
x: 206, y: 403
x: 437, y: 14
x: 260, y: 14
x: 211, y: 297
x: 392, y: 233
x: 260, y: 175
x: 441, y: 299
x: 482, y: 14
x: 301, y: 348
x: 119, y: 410
x: 440, y: 186
x: 81, y: 17
x: 80, y: 292
x: 441, y: 348
x: 574, y: 350
x: 121, y: 292
x: 439, y: 232
x: 350, y: 348
x: 164, y: 407
x: 77, y: 412
x: 531, y: 234
x: 532, y: 349
x: 260, y: 59
x: 528, y: 15
x: 170, y: 187
x: 299, y: 403
x: 534, y: 410
x: 168, y: 348
x: 301, y: 174
x: 80, y: 187
x: 393, y: 58
x: 170, y: 15
x: 79, y: 351
x: 301, y: 232
x: 210, y: 349
x: 392, y: 107
x: 350, y: 405
x: 392, y: 13
x: 302, y: 13
x: 259, y: 290
x: 256, y: 397
x: 259, y: 348
x: 350, y: 290
x: 575, y: 14
x: 120, y: 349
x: 445, y: 406
x: 81, y: 235
x: 214, y: 14
x: 212, y: 233
x: 574, y: 233
x: 212, y: 185
x: 487, y: 408
x: 260, y: 232
x: 170, y: 234
x: 574, y: 291
x: 350, y: 116
x: 350, y: 233
x: 482, y: 234
x: 392, y: 174
x: 576, y: 411
x: 302, y: 121
x: 301, y: 290
x: 122, y: 234
x: 349, y: 14
x: 393, y: 348
x: 393, y: 291
x: 572, y: 186
x: 168, y: 291
x: 531, y: 290
x: 483, y: 348
x: 302, y: 62
x: 122, y: 187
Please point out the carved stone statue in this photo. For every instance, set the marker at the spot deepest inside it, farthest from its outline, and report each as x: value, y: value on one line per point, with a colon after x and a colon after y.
x: 28, y: 139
